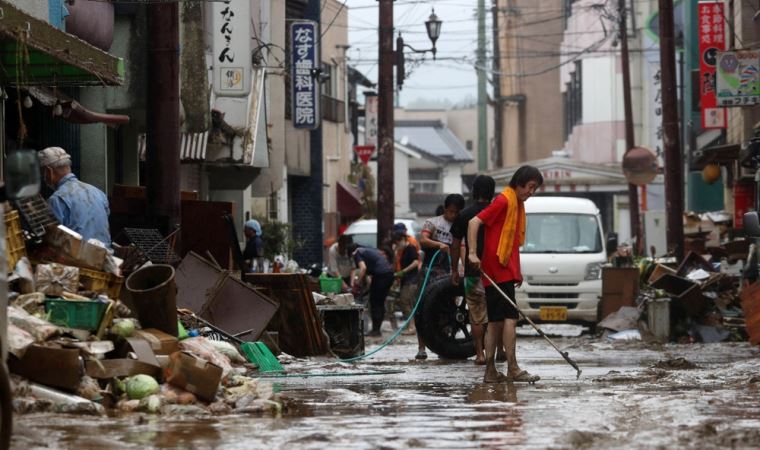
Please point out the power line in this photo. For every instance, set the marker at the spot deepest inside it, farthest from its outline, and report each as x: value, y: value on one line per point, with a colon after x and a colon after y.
x: 343, y: 5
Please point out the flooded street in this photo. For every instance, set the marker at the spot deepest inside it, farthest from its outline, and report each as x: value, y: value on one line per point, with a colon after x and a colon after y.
x: 630, y: 394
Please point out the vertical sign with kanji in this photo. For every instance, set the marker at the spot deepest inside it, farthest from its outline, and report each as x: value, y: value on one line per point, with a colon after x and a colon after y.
x: 304, y: 50
x: 231, y: 47
x: 712, y: 39
x: 370, y: 119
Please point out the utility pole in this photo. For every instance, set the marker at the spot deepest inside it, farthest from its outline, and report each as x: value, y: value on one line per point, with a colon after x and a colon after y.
x: 673, y: 167
x: 385, y: 142
x: 497, y: 113
x: 162, y: 129
x: 633, y: 193
x: 481, y: 68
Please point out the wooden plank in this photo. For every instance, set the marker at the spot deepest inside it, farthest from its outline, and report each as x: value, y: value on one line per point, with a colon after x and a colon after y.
x: 297, y: 321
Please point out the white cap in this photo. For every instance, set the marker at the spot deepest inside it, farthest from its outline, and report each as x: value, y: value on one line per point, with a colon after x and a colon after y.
x: 52, y: 155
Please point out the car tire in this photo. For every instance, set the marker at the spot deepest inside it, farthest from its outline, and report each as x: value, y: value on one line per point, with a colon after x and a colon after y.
x: 442, y: 323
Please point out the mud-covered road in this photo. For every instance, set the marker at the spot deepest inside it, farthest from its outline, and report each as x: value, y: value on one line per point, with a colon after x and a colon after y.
x: 630, y: 395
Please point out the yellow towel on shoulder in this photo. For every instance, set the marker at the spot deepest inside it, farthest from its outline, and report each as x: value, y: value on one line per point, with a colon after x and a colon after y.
x: 514, y: 226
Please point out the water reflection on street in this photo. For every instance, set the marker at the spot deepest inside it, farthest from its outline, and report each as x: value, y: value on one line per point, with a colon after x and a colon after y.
x: 620, y: 400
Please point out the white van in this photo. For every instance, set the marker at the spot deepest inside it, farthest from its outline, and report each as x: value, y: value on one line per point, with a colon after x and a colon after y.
x: 561, y: 260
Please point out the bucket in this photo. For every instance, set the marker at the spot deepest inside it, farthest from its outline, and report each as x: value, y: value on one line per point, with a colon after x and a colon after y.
x: 154, y: 297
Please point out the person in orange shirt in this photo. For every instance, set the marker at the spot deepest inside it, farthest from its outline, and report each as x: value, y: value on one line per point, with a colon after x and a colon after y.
x: 504, y: 222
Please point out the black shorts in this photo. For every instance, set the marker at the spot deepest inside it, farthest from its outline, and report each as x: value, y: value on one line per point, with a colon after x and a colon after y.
x: 498, y: 306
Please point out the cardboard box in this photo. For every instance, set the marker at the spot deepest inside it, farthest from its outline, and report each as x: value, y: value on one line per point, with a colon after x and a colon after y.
x: 194, y: 375
x: 161, y: 343
x: 65, y: 239
x: 51, y: 365
x: 93, y: 254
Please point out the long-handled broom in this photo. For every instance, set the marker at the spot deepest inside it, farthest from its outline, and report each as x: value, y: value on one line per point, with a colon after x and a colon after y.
x: 540, y: 332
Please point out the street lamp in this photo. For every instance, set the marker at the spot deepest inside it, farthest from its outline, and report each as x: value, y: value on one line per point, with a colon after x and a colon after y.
x: 433, y: 26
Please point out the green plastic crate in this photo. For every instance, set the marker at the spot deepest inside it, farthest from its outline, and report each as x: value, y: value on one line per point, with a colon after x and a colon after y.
x: 329, y: 284
x: 82, y: 314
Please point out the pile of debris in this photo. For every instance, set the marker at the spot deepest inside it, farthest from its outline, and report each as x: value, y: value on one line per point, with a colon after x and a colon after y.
x: 82, y: 338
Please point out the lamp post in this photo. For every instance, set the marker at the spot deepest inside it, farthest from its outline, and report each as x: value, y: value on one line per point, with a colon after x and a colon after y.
x: 386, y: 143
x: 433, y: 27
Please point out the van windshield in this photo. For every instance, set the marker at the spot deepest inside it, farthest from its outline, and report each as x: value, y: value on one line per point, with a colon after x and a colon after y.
x: 562, y: 233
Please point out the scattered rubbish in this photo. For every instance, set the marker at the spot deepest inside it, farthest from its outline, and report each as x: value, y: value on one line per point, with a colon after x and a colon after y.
x: 297, y: 321
x: 709, y: 334
x: 194, y: 375
x: 626, y: 335
x: 675, y: 364
x: 50, y: 365
x: 624, y: 318
x: 140, y: 386
x: 161, y: 343
x: 65, y: 403
x: 153, y: 293
x: 202, y: 349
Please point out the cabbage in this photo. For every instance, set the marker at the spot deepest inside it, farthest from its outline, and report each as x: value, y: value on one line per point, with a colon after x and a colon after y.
x: 123, y: 328
x: 141, y: 386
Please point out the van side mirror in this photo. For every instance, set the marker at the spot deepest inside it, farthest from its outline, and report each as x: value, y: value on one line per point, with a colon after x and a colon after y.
x: 612, y: 242
x: 22, y: 174
x: 751, y: 224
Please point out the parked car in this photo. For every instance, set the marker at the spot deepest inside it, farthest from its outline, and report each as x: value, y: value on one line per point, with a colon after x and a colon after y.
x: 364, y: 232
x: 562, y: 260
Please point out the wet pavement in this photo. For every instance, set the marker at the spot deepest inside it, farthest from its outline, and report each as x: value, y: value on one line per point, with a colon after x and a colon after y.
x: 630, y: 395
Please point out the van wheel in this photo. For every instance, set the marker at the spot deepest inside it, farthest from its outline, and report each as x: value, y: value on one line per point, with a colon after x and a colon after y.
x: 443, y: 320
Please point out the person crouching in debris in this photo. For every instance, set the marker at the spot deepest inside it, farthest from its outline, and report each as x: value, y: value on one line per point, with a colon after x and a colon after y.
x: 407, y: 274
x: 339, y: 260
x: 504, y: 223
x: 77, y: 205
x: 254, y: 246
x: 436, y: 234
x: 372, y: 262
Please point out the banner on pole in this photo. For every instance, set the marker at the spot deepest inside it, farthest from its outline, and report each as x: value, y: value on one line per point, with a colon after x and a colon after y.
x: 370, y: 120
x: 712, y: 39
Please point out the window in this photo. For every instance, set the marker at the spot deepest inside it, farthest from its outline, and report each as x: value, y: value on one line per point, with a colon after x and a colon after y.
x: 425, y: 181
x: 468, y: 145
x: 562, y: 233
x: 572, y: 100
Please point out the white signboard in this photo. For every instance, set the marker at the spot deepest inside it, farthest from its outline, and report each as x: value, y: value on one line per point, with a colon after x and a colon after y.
x: 231, y: 47
x: 370, y: 120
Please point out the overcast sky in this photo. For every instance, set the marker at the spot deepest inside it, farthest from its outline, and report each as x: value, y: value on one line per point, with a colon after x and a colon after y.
x: 447, y: 78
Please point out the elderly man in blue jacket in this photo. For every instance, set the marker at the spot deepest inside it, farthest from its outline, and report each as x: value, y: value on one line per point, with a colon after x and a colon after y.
x: 77, y: 205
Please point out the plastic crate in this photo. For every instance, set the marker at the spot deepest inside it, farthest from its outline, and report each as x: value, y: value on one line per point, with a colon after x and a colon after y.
x: 82, y: 314
x: 330, y: 285
x: 15, y: 245
x: 101, y: 282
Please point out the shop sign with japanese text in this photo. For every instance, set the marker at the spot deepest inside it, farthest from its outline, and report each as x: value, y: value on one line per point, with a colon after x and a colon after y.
x: 304, y: 49
x: 739, y: 78
x: 712, y: 39
x: 370, y: 120
x: 231, y: 47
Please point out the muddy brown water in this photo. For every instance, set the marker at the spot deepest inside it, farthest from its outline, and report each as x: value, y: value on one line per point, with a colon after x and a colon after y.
x: 630, y: 395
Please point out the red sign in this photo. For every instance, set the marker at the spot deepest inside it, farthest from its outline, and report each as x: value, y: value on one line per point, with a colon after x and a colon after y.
x: 744, y: 200
x: 712, y: 39
x: 365, y: 152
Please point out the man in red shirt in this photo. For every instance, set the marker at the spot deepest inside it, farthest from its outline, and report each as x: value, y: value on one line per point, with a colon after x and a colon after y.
x: 504, y: 223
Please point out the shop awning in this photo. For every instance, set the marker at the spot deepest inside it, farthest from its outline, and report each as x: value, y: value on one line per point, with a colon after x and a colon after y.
x: 72, y: 111
x: 349, y: 200
x: 55, y: 57
x: 192, y: 146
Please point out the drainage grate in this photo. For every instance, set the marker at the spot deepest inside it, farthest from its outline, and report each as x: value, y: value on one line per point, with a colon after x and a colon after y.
x: 36, y: 215
x: 152, y: 245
